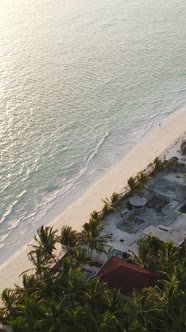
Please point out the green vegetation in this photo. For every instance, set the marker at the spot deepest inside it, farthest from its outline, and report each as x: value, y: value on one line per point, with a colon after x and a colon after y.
x: 157, y: 165
x: 68, y: 238
x: 112, y: 204
x: 138, y: 182
x: 55, y: 295
x: 91, y: 235
x: 58, y: 298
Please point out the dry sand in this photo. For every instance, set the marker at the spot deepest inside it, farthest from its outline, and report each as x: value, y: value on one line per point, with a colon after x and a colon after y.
x: 153, y: 145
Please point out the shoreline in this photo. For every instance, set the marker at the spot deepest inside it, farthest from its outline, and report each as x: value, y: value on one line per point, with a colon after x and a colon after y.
x: 157, y: 142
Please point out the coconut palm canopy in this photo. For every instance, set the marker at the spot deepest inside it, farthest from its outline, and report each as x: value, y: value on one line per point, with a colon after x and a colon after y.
x: 61, y: 300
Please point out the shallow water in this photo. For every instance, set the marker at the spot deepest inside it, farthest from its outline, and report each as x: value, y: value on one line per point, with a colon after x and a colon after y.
x: 81, y: 83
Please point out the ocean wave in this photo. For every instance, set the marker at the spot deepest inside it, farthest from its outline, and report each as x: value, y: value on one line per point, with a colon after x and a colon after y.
x: 95, y: 151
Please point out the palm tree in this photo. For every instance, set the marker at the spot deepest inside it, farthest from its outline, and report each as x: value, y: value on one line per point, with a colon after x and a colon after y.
x: 65, y: 301
x: 107, y: 208
x: 145, y: 256
x: 91, y: 237
x: 157, y: 165
x: 30, y: 285
x: 133, y: 184
x: 109, y: 323
x: 94, y: 295
x: 170, y: 289
x: 39, y: 260
x: 46, y: 239
x: 111, y: 204
x: 78, y: 319
x: 142, y: 179
x: 73, y: 282
x: 144, y: 310
x: 79, y: 254
x: 114, y: 300
x: 167, y: 257
x: 148, y: 252
x: 28, y: 313
x: 95, y: 215
x: 9, y: 298
x: 51, y: 319
x: 68, y: 238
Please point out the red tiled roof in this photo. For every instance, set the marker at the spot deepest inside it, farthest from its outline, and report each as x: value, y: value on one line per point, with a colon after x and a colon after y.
x: 118, y: 273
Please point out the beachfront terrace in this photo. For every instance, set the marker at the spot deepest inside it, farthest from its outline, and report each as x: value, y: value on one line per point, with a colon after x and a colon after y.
x: 161, y: 215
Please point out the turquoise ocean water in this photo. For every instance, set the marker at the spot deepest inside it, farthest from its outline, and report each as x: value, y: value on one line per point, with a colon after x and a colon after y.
x: 81, y: 83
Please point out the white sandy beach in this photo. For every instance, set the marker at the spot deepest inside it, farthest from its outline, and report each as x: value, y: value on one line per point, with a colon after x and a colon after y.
x: 154, y: 144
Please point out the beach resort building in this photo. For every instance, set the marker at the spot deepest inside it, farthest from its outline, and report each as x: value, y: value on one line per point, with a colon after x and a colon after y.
x: 125, y: 276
